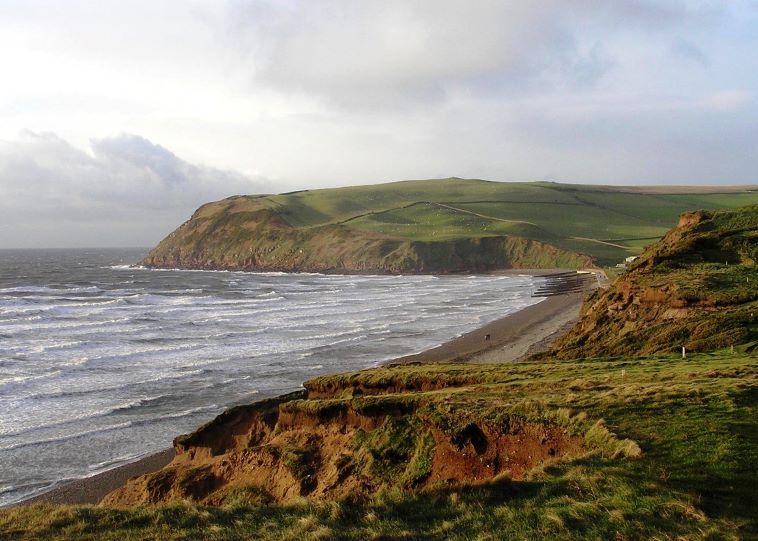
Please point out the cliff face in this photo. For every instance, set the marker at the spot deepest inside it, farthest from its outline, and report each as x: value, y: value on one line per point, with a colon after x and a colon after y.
x: 350, y: 435
x: 697, y: 287
x: 241, y: 234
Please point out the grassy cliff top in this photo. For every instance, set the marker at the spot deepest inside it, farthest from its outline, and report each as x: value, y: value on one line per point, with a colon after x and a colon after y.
x: 608, y: 223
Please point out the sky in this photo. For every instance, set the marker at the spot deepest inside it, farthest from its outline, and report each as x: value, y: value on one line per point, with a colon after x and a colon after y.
x: 119, y: 118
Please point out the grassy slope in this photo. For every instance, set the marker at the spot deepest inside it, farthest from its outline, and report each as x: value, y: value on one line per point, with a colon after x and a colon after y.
x: 607, y: 223
x: 543, y: 211
x: 697, y: 287
x: 694, y: 420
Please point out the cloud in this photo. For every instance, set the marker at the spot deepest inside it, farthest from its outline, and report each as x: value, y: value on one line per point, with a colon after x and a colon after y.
x: 398, y: 53
x: 126, y: 187
x: 323, y: 93
x: 690, y: 51
x: 728, y: 100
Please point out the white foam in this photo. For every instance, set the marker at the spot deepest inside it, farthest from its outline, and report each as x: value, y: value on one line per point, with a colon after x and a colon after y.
x: 66, y: 437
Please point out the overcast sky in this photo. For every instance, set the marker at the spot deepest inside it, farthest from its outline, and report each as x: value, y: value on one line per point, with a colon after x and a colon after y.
x: 120, y: 117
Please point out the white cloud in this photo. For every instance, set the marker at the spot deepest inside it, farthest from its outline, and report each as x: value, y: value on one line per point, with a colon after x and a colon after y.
x: 319, y: 93
x: 398, y: 53
x: 728, y: 100
x: 50, y: 184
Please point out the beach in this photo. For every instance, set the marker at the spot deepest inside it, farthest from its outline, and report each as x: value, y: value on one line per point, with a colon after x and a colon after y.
x: 90, y: 490
x: 507, y: 339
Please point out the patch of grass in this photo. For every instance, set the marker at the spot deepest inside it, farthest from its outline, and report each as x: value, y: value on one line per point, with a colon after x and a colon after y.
x: 420, y: 465
x: 390, y: 447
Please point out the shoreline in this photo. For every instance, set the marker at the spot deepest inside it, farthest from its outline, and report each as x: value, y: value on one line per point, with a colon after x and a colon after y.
x: 511, y: 338
x: 90, y: 490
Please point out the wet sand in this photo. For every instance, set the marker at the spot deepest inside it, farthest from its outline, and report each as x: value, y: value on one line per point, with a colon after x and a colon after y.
x: 93, y: 489
x: 510, y: 338
x: 506, y: 340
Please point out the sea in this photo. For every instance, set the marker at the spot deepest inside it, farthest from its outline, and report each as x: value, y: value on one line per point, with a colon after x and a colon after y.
x: 103, y: 362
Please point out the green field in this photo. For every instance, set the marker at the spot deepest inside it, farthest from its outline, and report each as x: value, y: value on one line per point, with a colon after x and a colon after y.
x: 608, y: 223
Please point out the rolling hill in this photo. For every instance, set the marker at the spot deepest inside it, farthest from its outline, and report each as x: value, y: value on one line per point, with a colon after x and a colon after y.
x: 442, y: 225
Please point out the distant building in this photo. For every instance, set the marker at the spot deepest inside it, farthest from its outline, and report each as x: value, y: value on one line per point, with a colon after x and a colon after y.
x: 626, y: 262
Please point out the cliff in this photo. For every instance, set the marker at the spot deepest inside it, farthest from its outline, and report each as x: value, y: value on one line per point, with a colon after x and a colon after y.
x: 241, y: 233
x: 433, y: 226
x: 351, y: 435
x: 697, y: 287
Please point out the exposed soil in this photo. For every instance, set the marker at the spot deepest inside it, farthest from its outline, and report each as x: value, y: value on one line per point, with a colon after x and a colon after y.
x: 293, y: 449
x: 691, y: 289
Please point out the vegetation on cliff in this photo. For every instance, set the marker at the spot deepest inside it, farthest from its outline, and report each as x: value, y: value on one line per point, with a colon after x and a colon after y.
x: 696, y: 288
x: 681, y: 465
x: 433, y: 226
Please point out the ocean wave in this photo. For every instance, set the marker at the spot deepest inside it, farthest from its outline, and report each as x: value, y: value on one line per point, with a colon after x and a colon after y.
x: 53, y: 309
x: 162, y: 377
x: 65, y: 437
x: 151, y: 298
x: 99, y: 467
x: 149, y: 401
x: 112, y: 360
x: 271, y: 293
x: 327, y: 336
x: 46, y: 289
x: 71, y: 325
x: 343, y: 341
x: 86, y: 416
x: 95, y: 415
x: 16, y: 380
x: 177, y: 414
x: 7, y: 488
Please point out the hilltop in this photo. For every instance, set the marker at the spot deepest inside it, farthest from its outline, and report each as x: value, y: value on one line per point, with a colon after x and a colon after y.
x: 434, y: 226
x: 697, y: 287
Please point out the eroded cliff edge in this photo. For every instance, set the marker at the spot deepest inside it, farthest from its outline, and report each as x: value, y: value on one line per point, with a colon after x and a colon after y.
x: 351, y: 435
x: 695, y: 288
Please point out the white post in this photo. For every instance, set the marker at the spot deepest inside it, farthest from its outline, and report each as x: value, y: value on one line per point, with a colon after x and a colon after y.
x: 684, y: 353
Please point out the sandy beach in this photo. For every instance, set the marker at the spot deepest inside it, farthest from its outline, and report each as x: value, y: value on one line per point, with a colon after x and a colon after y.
x: 92, y: 489
x: 508, y: 339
